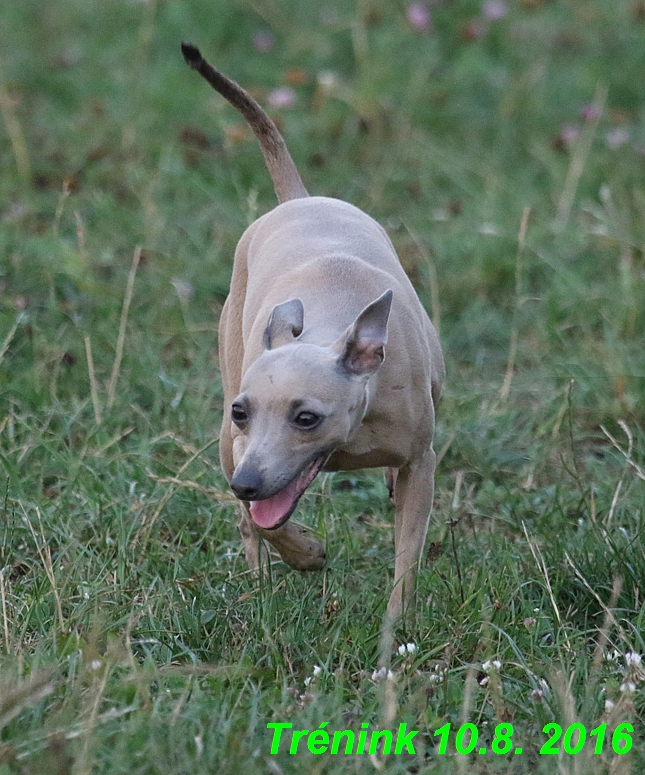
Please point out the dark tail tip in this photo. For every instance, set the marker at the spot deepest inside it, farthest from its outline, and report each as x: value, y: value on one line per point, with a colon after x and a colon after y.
x: 192, y: 55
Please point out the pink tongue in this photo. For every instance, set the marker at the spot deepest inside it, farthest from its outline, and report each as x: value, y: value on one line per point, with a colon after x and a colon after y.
x: 269, y: 512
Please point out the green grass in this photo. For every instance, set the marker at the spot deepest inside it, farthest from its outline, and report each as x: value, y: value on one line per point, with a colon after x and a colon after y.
x: 133, y: 638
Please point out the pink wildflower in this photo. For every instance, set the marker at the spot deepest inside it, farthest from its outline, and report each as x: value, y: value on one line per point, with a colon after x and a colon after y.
x: 418, y: 16
x: 494, y: 9
x: 282, y: 97
x: 263, y: 41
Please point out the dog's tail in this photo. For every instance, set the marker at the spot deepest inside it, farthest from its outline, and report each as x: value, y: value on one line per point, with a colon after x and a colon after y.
x: 286, y: 180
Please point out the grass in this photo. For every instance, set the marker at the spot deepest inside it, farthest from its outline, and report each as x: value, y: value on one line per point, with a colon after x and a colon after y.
x: 505, y: 158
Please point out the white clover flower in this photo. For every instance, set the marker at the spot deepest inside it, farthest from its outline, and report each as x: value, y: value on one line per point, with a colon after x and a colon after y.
x: 199, y: 745
x: 95, y: 664
x: 411, y: 647
x: 328, y: 80
x: 378, y: 675
x: 402, y: 650
x: 184, y: 289
x: 308, y: 680
x: 497, y: 664
x: 632, y: 658
x: 628, y: 686
x: 317, y: 670
x: 609, y: 705
x: 617, y: 137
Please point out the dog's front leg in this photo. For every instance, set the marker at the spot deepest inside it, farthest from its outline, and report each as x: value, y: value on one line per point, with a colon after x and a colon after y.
x: 231, y: 452
x: 413, y: 496
x: 254, y: 549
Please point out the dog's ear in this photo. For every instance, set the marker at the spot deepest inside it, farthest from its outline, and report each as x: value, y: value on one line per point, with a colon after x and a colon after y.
x: 285, y: 324
x: 361, y: 348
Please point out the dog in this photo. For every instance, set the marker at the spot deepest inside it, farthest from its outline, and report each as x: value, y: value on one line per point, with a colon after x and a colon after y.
x: 317, y: 292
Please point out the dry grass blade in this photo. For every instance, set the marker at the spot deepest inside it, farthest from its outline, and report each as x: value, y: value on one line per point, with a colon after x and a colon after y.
x: 626, y: 454
x: 81, y: 235
x: 16, y: 135
x: 147, y: 524
x: 470, y: 686
x: 562, y: 689
x: 445, y: 448
x: 614, y: 503
x: 122, y: 326
x: 212, y: 492
x: 82, y: 765
x: 94, y: 391
x: 604, y: 607
x: 5, y: 620
x: 15, y: 698
x: 539, y: 561
x: 186, y: 447
x: 45, y: 555
x: 114, y: 440
x: 60, y: 206
x: 512, y: 353
x: 9, y: 337
x: 578, y: 161
x: 603, y: 638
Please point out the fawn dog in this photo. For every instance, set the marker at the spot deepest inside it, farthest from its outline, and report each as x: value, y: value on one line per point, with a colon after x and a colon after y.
x: 317, y: 293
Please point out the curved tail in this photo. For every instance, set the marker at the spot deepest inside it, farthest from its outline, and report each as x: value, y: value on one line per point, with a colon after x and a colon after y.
x: 286, y: 180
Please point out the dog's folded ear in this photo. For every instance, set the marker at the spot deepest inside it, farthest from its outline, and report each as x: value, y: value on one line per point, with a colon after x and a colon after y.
x: 285, y: 324
x: 361, y: 348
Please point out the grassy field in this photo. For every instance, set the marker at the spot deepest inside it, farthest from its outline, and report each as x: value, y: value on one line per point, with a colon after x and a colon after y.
x: 503, y: 147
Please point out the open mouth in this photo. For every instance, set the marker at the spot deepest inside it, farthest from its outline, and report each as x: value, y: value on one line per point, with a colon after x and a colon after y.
x: 273, y: 512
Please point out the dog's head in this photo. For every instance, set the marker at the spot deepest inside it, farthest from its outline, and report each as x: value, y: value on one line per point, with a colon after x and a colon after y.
x: 298, y: 403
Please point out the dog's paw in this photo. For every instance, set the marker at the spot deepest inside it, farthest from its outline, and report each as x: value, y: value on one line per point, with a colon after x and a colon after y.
x: 296, y: 547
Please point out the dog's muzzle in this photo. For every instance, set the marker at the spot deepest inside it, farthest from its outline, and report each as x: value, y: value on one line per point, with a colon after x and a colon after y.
x: 271, y: 513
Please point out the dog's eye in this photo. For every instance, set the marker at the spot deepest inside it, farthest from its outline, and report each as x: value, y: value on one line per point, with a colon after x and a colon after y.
x: 307, y: 420
x: 238, y: 415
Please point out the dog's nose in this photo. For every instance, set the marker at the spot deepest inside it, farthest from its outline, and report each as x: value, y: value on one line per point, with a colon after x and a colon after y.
x: 246, y: 484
